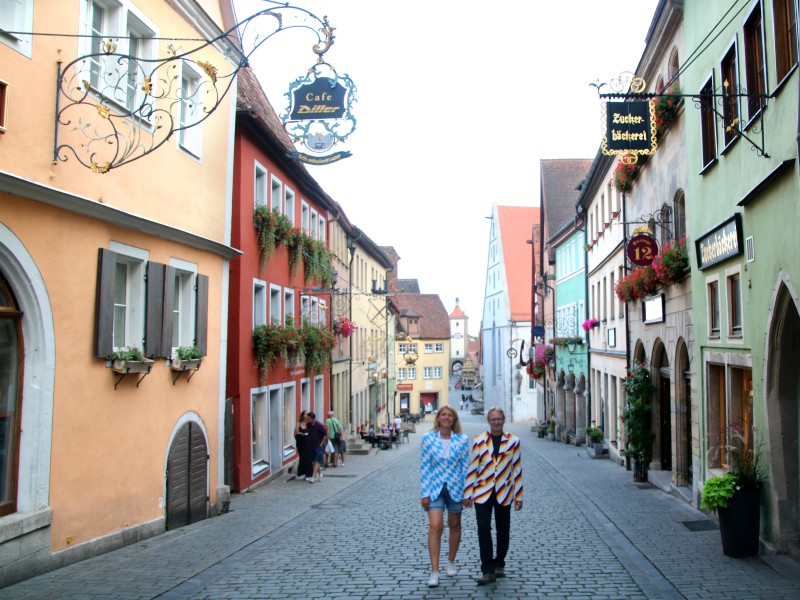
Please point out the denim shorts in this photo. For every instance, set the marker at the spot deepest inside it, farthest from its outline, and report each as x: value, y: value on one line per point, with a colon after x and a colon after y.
x: 319, y: 452
x: 445, y: 501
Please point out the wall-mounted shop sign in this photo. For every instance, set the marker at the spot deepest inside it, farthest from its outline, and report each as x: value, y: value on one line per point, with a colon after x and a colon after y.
x: 720, y: 244
x: 319, y: 116
x: 653, y: 310
x: 629, y: 128
x: 642, y: 249
x: 405, y: 387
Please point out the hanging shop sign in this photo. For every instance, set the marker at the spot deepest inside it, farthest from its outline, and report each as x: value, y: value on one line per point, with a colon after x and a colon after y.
x: 720, y: 244
x: 642, y: 249
x: 319, y: 118
x: 629, y: 128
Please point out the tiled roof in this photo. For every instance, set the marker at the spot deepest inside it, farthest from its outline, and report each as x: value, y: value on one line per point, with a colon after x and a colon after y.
x: 516, y: 227
x: 408, y: 286
x: 559, y: 180
x: 457, y: 313
x: 434, y: 322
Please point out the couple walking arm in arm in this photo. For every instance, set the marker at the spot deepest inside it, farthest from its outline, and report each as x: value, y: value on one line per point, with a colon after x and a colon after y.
x: 488, y: 478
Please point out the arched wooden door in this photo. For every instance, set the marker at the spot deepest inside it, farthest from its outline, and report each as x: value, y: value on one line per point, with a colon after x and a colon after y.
x: 187, y: 477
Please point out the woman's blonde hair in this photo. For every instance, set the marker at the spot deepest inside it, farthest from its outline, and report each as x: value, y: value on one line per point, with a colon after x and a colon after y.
x: 456, y: 421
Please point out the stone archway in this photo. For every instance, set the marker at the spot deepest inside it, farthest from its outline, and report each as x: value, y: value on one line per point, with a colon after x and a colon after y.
x: 661, y: 404
x: 683, y: 423
x: 783, y: 408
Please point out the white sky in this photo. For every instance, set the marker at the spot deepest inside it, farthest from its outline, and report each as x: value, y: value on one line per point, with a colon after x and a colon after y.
x: 457, y: 103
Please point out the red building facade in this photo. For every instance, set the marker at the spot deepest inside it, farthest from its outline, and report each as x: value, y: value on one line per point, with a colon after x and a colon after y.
x: 280, y: 296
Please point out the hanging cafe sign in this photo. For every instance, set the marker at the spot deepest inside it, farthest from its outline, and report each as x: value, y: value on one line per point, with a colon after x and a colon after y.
x: 113, y: 108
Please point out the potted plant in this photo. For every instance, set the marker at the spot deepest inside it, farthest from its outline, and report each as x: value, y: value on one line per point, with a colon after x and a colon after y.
x: 595, y: 436
x: 671, y: 264
x: 735, y: 497
x: 343, y: 326
x: 130, y: 359
x: 636, y: 418
x: 551, y: 430
x: 187, y: 358
x: 590, y: 324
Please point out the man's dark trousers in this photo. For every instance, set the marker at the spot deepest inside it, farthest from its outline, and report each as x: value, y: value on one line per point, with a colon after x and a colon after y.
x: 502, y: 518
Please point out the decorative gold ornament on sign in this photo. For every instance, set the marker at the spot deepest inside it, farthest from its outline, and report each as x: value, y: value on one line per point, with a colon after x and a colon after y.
x: 642, y: 229
x: 146, y: 86
x: 629, y: 159
x: 109, y: 46
x: 103, y: 111
x: 101, y: 168
x: 86, y: 85
x: 325, y: 44
x: 210, y: 70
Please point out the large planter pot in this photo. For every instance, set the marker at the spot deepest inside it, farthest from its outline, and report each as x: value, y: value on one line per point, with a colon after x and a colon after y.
x: 639, y: 470
x: 739, y: 524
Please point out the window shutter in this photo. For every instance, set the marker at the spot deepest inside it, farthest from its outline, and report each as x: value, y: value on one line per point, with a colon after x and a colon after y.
x: 201, y: 325
x: 104, y: 304
x: 154, y: 312
x: 168, y: 307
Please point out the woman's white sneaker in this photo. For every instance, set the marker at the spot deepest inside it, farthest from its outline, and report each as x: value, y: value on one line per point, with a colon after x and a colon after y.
x: 433, y: 581
x: 451, y: 569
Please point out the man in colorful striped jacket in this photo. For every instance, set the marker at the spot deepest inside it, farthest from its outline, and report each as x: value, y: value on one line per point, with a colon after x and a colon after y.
x: 494, y: 481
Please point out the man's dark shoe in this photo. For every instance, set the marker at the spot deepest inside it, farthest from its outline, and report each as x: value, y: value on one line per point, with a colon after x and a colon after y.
x: 486, y: 579
x: 499, y: 572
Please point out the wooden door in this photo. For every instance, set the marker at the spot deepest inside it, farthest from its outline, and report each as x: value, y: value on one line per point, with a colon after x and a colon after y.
x: 187, y: 477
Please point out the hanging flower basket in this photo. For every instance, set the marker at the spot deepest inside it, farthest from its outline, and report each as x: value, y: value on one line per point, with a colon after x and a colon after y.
x: 666, y: 107
x: 590, y: 324
x: 343, y: 326
x: 672, y: 264
x: 625, y: 175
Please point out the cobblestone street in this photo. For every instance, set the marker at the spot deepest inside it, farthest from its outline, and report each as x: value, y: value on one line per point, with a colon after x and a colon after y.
x: 586, y: 531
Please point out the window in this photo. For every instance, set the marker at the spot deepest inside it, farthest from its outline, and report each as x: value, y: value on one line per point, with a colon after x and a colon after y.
x: 288, y: 414
x: 276, y: 195
x: 427, y: 372
x: 16, y: 15
x: 314, y: 224
x: 708, y: 134
x: 289, y: 209
x: 3, y: 106
x: 679, y: 212
x: 305, y: 308
x: 439, y: 348
x: 304, y: 218
x: 129, y: 298
x: 621, y: 305
x: 730, y: 101
x: 182, y: 313
x: 259, y: 303
x: 288, y: 306
x: 402, y: 348
x: 713, y: 309
x: 412, y: 373
x: 323, y: 312
x: 735, y: 304
x: 190, y: 131
x: 666, y: 218
x: 260, y: 186
x: 275, y: 308
x: 437, y: 372
x: 321, y: 228
x: 428, y: 348
x: 785, y: 36
x: 755, y: 69
x: 674, y: 66
x: 10, y: 393
x: 612, y: 297
x: 115, y: 77
x: 259, y: 432
x: 314, y: 316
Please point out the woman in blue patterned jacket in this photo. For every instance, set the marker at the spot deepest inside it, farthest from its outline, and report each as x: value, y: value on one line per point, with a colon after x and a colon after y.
x: 443, y: 470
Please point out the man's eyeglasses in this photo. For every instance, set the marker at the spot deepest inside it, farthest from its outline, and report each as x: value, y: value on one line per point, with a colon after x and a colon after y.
x: 500, y: 420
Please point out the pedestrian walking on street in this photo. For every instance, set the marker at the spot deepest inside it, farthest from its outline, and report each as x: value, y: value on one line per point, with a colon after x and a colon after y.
x: 335, y: 434
x: 494, y: 481
x: 317, y: 439
x: 443, y: 469
x: 305, y: 461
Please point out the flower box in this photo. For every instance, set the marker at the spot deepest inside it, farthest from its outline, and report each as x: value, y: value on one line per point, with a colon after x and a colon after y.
x: 132, y: 366
x: 186, y: 365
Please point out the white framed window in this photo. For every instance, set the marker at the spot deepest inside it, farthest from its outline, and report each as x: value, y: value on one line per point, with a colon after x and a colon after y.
x: 259, y: 430
x: 305, y: 308
x: 305, y: 216
x: 183, y: 303
x: 428, y: 348
x: 402, y: 374
x: 314, y: 224
x: 439, y: 348
x: 735, y: 305
x: 714, y: 316
x: 129, y: 296
x: 259, y: 302
x: 288, y: 420
x: 437, y: 372
x: 289, y: 210
x: 427, y: 372
x: 314, y: 317
x: 16, y: 15
x: 190, y: 111
x: 402, y: 348
x: 260, y: 186
x: 323, y: 312
x: 275, y: 307
x: 276, y: 194
x: 321, y: 228
x: 114, y: 77
x: 412, y: 373
x: 288, y: 306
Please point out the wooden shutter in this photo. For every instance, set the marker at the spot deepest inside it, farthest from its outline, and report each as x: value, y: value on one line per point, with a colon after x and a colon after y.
x: 154, y: 311
x: 201, y: 324
x: 168, y: 307
x: 104, y: 303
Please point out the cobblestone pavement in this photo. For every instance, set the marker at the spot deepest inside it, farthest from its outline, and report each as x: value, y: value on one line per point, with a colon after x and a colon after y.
x: 586, y: 531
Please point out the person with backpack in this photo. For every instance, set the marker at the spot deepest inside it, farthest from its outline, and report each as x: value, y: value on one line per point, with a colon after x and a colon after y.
x: 335, y: 435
